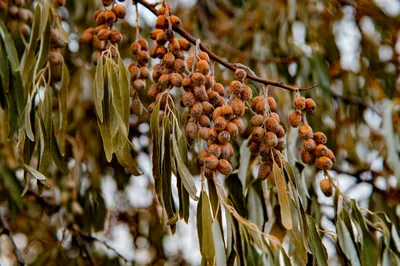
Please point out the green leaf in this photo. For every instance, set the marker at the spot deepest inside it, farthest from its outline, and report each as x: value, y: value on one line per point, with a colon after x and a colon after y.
x: 154, y: 127
x: 44, y: 17
x: 207, y: 235
x: 61, y: 30
x: 236, y: 194
x: 187, y: 178
x: 220, y: 256
x: 317, y: 247
x: 184, y: 200
x: 4, y: 69
x: 57, y: 157
x: 62, y: 99
x: 199, y: 222
x: 36, y: 174
x: 99, y: 89
x: 244, y: 172
x: 11, y: 185
x: 10, y: 47
x: 125, y: 92
x: 105, y: 128
x: 166, y: 175
x: 283, y: 197
x: 346, y: 241
x: 27, y: 118
x: 125, y: 158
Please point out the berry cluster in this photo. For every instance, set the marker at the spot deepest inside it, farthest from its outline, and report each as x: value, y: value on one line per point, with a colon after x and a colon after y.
x: 104, y: 35
x: 139, y: 70
x: 227, y: 125
x: 314, y: 149
x: 19, y: 17
x: 172, y: 70
x: 268, y: 136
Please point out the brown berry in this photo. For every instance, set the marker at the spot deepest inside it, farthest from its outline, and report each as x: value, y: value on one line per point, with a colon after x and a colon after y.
x: 213, y: 135
x: 236, y: 87
x: 154, y: 33
x: 281, y: 144
x: 264, y: 171
x: 226, y: 151
x: 232, y: 129
x: 184, y: 44
x: 246, y: 93
x: 321, y: 150
x: 188, y: 99
x: 218, y: 87
x: 202, y: 67
x: 135, y: 48
x: 154, y: 90
x: 86, y: 37
x: 196, y: 110
x: 211, y: 162
x: 307, y: 157
x: 310, y: 105
x: 239, y: 123
x: 255, y: 148
x: 309, y: 145
x: 144, y: 45
x: 299, y: 103
x: 104, y: 34
x: 116, y: 36
x: 280, y: 132
x: 224, y: 167
x: 120, y: 11
x: 213, y: 97
x: 143, y: 57
x: 110, y: 16
x: 208, y: 109
x: 179, y: 66
x: 204, y: 133
x: 107, y: 2
x: 257, y: 120
x: 271, y: 139
x: 227, y: 111
x: 187, y: 83
x: 331, y: 155
x: 305, y: 131
x: 198, y: 79
x: 240, y: 74
x: 326, y: 187
x: 260, y: 108
x: 161, y: 22
x: 204, y: 121
x: 191, y: 131
x: 272, y: 104
x: 224, y: 137
x: 295, y: 119
x: 214, y: 150
x: 168, y: 60
x: 204, y: 56
x: 320, y: 138
x: 238, y: 107
x: 139, y: 84
x: 258, y: 134
x: 220, y: 123
x: 134, y: 70
x: 176, y: 22
x: 275, y: 115
x: 175, y: 79
x: 203, y: 154
x: 255, y: 101
x: 200, y: 93
x: 271, y: 124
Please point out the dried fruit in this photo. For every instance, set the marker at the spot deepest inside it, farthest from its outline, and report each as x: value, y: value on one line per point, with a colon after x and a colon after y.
x: 224, y: 167
x: 324, y: 163
x: 326, y: 187
x: 321, y: 150
x: 305, y: 131
x: 299, y: 103
x: 320, y: 138
x: 307, y: 157
x: 295, y: 119
x: 264, y: 171
x: 120, y: 11
x: 211, y: 162
x: 310, y: 105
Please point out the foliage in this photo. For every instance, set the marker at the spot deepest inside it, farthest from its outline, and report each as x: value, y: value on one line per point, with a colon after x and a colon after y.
x: 84, y: 101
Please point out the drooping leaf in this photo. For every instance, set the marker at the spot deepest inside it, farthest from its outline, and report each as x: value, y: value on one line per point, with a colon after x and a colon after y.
x: 317, y: 247
x: 207, y: 236
x: 62, y: 99
x: 283, y: 197
x: 220, y: 256
x: 9, y: 47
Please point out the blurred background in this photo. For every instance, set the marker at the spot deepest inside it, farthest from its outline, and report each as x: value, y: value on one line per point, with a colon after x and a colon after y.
x: 349, y: 49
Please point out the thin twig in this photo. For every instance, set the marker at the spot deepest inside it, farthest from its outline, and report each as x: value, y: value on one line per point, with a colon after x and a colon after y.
x: 93, y: 238
x: 84, y: 244
x: 6, y: 230
x: 354, y: 100
x: 218, y: 59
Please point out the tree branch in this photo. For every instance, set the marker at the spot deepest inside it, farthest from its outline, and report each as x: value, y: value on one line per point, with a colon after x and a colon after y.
x: 6, y: 230
x: 218, y: 59
x: 84, y: 244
